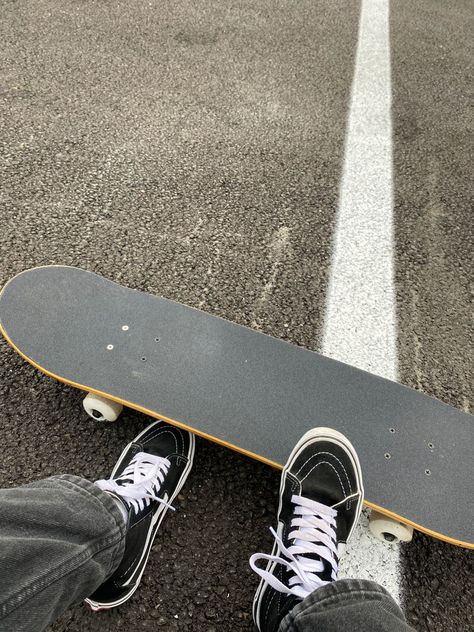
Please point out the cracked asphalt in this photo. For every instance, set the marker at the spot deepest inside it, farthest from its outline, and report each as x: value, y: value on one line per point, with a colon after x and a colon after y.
x: 194, y: 150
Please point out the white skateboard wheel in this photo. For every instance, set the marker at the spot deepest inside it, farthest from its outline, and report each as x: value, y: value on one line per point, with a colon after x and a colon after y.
x: 101, y: 408
x: 388, y: 530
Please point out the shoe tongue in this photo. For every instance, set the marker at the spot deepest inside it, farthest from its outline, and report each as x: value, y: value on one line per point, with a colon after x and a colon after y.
x: 326, y: 574
x: 122, y: 482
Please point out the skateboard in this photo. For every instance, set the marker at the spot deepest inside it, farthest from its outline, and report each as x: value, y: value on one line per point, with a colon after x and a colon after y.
x: 245, y: 390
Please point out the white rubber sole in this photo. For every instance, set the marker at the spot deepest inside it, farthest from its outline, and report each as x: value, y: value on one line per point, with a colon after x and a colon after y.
x: 315, y: 434
x: 157, y: 519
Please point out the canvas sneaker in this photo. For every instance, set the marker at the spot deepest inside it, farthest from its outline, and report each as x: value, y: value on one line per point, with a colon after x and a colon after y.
x: 148, y: 475
x: 321, y: 495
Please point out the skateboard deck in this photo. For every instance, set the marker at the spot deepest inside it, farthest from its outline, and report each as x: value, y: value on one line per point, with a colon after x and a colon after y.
x: 245, y: 390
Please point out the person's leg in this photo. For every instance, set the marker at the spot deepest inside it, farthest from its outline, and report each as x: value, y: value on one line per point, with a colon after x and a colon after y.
x: 65, y: 539
x: 346, y: 605
x: 321, y: 497
x: 60, y: 538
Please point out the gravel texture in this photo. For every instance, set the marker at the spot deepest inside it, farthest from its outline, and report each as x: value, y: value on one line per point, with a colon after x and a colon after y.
x: 194, y: 150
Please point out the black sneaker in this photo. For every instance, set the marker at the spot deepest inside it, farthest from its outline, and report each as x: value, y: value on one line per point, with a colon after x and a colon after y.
x: 148, y: 475
x: 321, y: 498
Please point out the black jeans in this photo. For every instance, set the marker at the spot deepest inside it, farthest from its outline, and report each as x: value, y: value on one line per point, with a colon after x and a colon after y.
x: 60, y: 538
x: 347, y: 605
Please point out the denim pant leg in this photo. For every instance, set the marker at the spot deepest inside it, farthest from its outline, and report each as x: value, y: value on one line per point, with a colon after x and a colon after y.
x: 60, y: 538
x: 347, y: 605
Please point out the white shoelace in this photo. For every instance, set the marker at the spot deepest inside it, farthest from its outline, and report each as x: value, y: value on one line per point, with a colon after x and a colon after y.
x: 140, y: 481
x: 313, y: 532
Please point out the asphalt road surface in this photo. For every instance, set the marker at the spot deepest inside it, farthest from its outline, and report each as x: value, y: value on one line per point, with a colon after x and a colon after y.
x: 195, y: 150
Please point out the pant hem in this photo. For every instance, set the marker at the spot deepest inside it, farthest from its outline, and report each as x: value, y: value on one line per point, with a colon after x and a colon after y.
x: 114, y: 538
x: 341, y: 592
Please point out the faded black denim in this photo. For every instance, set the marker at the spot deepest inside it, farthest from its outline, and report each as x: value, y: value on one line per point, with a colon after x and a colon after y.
x: 347, y: 605
x: 60, y: 538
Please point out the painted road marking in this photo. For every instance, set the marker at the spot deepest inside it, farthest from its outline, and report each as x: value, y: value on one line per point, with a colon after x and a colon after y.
x: 360, y: 320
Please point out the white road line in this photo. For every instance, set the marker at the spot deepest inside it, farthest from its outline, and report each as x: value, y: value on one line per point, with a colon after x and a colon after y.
x: 360, y: 320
